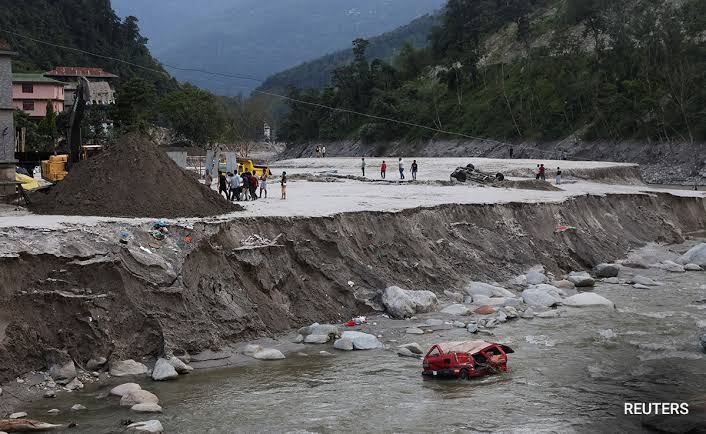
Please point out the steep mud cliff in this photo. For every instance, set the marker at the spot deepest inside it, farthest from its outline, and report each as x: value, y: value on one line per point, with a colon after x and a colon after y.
x: 208, y: 285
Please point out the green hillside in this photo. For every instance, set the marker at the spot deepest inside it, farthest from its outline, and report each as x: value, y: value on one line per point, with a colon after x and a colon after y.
x: 519, y: 70
x: 89, y: 25
x: 316, y: 74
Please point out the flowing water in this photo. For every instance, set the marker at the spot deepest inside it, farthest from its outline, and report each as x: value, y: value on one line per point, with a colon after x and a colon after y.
x: 569, y: 374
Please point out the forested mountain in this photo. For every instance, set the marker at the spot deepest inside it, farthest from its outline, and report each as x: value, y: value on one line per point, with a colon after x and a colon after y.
x: 527, y: 70
x: 89, y: 25
x: 317, y: 73
x: 259, y: 38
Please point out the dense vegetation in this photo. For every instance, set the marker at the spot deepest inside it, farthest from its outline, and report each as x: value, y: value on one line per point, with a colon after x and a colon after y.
x: 607, y: 69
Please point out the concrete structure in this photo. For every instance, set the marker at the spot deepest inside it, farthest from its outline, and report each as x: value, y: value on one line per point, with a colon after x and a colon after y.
x: 99, y: 83
x: 7, y: 126
x: 31, y: 93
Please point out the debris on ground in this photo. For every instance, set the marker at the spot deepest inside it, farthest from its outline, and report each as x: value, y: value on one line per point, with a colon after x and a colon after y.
x: 256, y: 241
x: 132, y: 178
x: 471, y: 174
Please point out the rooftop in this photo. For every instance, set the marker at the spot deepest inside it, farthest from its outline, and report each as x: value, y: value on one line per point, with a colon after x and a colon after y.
x: 79, y: 71
x: 33, y: 78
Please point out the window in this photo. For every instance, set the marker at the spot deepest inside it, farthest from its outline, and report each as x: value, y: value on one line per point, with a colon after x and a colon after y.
x: 28, y: 106
x: 434, y: 352
x: 27, y: 88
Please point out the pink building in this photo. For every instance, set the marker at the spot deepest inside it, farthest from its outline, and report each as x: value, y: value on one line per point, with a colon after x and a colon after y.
x: 32, y: 92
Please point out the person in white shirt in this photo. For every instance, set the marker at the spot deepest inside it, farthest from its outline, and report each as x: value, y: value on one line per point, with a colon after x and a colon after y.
x: 401, y: 166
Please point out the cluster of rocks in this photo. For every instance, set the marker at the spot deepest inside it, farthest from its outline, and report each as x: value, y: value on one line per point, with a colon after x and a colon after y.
x: 260, y: 353
x: 345, y: 341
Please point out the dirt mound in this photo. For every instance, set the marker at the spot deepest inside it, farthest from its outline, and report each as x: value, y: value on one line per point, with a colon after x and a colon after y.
x: 527, y: 184
x: 132, y: 178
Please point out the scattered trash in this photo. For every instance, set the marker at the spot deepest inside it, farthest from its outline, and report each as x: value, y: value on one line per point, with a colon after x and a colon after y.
x: 157, y: 235
x: 159, y: 224
x: 351, y: 283
x: 256, y: 241
x: 356, y: 321
x: 561, y: 228
x: 188, y: 239
x: 124, y: 236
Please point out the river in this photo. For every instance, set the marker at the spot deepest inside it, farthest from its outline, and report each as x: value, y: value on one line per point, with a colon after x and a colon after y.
x: 568, y: 374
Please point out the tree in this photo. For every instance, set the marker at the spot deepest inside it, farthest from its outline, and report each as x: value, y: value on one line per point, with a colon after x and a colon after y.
x: 47, y: 127
x: 196, y: 115
x: 134, y: 103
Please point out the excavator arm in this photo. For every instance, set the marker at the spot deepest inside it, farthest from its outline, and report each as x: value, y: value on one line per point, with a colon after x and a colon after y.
x: 83, y: 95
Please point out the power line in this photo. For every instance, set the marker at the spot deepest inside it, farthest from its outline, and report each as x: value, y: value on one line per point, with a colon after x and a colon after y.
x: 244, y: 77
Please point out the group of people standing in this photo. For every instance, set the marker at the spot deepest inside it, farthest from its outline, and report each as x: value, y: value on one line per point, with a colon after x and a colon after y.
x: 541, y: 173
x: 237, y: 187
x: 400, y: 166
x: 321, y: 152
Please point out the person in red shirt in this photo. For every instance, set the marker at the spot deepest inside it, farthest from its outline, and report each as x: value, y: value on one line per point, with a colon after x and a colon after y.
x: 383, y: 169
x: 542, y: 172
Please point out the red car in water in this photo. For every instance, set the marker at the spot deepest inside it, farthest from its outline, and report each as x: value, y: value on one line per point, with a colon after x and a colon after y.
x: 469, y: 359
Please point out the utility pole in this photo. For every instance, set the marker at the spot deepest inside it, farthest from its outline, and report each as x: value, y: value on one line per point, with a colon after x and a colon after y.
x: 7, y: 125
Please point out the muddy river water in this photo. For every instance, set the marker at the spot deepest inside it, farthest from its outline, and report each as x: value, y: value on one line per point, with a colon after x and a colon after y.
x: 569, y: 374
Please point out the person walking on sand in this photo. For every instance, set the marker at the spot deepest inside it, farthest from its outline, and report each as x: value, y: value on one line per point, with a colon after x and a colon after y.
x: 400, y: 164
x: 229, y: 182
x: 283, y: 185
x: 246, y: 186
x: 253, y: 186
x: 383, y: 169
x: 557, y: 178
x: 542, y: 172
x: 236, y: 187
x: 512, y: 151
x: 415, y: 167
x: 318, y: 152
x: 263, y: 184
x: 323, y: 152
x: 362, y: 166
x: 222, y: 184
x: 536, y: 173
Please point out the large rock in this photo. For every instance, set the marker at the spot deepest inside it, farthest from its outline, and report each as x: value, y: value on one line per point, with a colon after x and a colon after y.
x: 401, y: 303
x: 179, y: 365
x: 581, y: 279
x: 585, y: 299
x: 480, y: 288
x: 124, y: 389
x: 456, y: 297
x: 414, y: 331
x: 268, y: 354
x: 635, y: 262
x: 61, y: 366
x: 317, y: 339
x: 163, y: 370
x: 536, y: 277
x: 96, y: 363
x: 362, y: 341
x: 150, y: 426
x: 124, y: 368
x: 643, y: 280
x: 693, y: 267
x: 671, y: 267
x: 413, y: 347
x: 537, y: 296
x: 406, y: 352
x: 138, y: 397
x: 456, y: 309
x: 343, y: 344
x: 319, y: 333
x: 606, y: 270
x: 695, y: 255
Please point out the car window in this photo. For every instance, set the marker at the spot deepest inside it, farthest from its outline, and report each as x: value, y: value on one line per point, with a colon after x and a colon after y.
x: 494, y: 351
x: 434, y: 352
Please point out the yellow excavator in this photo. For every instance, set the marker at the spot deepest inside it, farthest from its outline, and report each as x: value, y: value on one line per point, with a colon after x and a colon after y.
x: 245, y: 165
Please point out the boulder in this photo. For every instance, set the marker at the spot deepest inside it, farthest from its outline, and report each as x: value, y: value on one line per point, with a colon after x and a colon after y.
x: 642, y: 280
x: 163, y: 370
x: 343, y: 344
x: 454, y: 296
x: 414, y: 331
x: 61, y: 366
x: 138, y: 397
x: 268, y: 354
x: 640, y: 286
x: 563, y: 284
x: 317, y: 339
x: 362, y: 341
x: 124, y: 368
x: 538, y: 296
x: 78, y: 407
x: 404, y: 352
x: 54, y: 411
x: 150, y: 426
x: 96, y: 363
x: 74, y: 384
x: 695, y: 255
x: 606, y: 270
x: 147, y: 407
x: 401, y: 303
x: 459, y: 324
x: 179, y: 365
x: 50, y: 394
x: 485, y: 310
x: 585, y: 299
x: 456, y: 309
x: 250, y: 349
x: 636, y: 263
x: 611, y: 280
x: 413, y: 347
x: 581, y: 279
x: 319, y: 333
x: 693, y: 267
x: 480, y: 288
x: 18, y: 415
x: 535, y: 277
x: 472, y: 328
x: 124, y: 389
x: 671, y: 267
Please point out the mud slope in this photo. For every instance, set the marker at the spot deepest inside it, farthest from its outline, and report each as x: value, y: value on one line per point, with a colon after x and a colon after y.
x: 84, y: 292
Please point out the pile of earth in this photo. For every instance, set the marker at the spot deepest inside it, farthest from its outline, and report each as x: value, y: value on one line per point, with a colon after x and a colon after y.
x: 132, y: 178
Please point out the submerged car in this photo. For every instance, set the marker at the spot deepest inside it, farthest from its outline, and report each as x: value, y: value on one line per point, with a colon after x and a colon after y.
x: 468, y: 359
